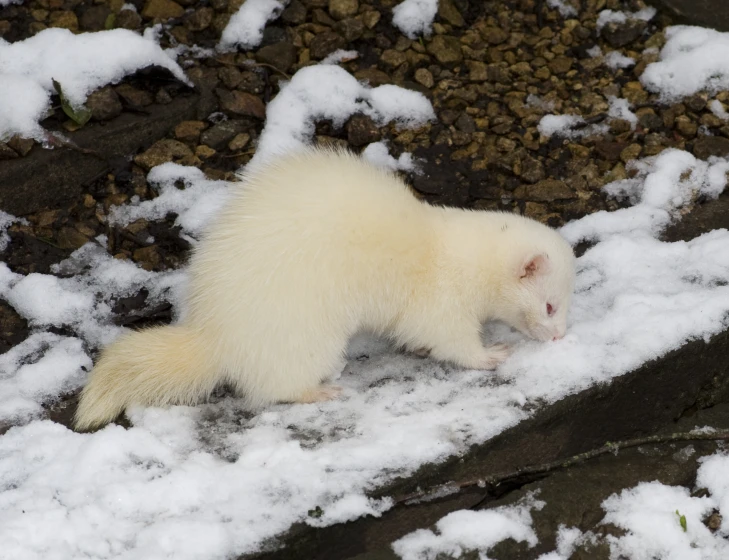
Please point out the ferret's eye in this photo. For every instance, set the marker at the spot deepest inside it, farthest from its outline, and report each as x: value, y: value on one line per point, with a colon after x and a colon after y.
x: 550, y: 309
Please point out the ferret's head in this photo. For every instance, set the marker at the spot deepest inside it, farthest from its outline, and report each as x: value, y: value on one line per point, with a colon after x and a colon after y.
x: 538, y: 296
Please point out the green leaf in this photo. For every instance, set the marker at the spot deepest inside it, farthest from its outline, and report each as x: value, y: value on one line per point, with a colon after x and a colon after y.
x: 682, y: 521
x: 316, y: 513
x: 80, y: 116
x: 110, y: 21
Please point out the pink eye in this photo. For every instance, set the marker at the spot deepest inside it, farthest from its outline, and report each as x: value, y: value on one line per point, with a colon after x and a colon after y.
x: 550, y: 309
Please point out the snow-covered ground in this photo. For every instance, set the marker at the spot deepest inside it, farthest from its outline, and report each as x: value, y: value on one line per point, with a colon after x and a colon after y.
x: 660, y: 521
x: 213, y: 480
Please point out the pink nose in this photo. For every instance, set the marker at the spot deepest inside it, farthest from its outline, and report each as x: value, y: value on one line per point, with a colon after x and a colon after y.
x: 559, y: 336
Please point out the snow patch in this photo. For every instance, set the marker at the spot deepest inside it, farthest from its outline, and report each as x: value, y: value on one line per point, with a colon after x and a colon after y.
x: 566, y: 10
x: 80, y: 63
x: 183, y: 190
x: 465, y: 530
x: 612, y: 16
x: 330, y: 92
x: 245, y: 28
x: 693, y: 59
x: 415, y: 17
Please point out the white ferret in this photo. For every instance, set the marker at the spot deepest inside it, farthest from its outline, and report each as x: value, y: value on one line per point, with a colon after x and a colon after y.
x: 314, y: 247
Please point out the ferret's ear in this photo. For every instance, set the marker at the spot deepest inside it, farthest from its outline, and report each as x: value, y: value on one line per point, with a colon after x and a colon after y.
x: 534, y: 265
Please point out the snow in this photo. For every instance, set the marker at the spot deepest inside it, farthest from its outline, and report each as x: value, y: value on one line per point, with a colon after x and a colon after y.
x: 80, y: 63
x: 189, y: 479
x: 574, y: 126
x: 415, y: 17
x: 616, y: 59
x: 718, y: 109
x: 326, y: 91
x: 195, y: 204
x: 568, y: 126
x: 465, y: 530
x: 692, y: 60
x: 663, y: 184
x: 8, y: 2
x: 45, y: 365
x: 612, y: 16
x: 620, y: 109
x: 650, y: 513
x: 57, y: 366
x: 378, y: 154
x: 340, y: 55
x: 6, y: 220
x: 245, y: 28
x: 566, y: 10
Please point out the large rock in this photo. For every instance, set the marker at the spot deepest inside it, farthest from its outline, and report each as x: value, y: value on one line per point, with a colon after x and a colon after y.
x: 706, y: 146
x: 52, y: 177
x: 446, y: 49
x: 706, y: 13
x: 162, y: 9
x: 280, y: 55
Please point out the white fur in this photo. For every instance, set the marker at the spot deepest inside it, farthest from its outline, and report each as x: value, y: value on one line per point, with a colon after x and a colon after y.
x: 315, y: 247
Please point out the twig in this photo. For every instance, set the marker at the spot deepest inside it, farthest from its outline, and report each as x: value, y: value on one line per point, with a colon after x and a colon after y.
x: 251, y: 63
x: 591, y: 120
x: 610, y: 447
x: 59, y: 141
x: 162, y: 310
x: 129, y: 236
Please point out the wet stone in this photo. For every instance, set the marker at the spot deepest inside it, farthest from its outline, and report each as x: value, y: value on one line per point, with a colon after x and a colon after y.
x: 281, y: 55
x: 325, y: 44
x: 133, y: 96
x: 707, y: 146
x: 351, y: 29
x: 531, y: 170
x: 104, y: 104
x: 128, y: 19
x: 239, y: 142
x: 94, y: 18
x: 241, y: 103
x: 630, y: 153
x: 218, y: 135
x: 465, y: 123
x: 494, y: 35
x: 161, y: 152
x: 362, y: 130
x: 340, y: 9
x: 6, y: 152
x: 70, y: 238
x: 189, y: 131
x: 609, y: 150
x: 620, y: 34
x: 200, y: 19
x: 294, y: 14
x: 162, y: 9
x: 448, y: 12
x: 446, y: 49
x: 21, y: 145
x: 63, y: 19
x: 424, y: 77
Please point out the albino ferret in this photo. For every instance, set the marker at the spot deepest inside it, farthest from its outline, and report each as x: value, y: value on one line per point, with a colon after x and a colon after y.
x: 312, y: 248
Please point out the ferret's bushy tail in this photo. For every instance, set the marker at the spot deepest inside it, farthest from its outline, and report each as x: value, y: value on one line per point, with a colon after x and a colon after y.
x: 158, y: 366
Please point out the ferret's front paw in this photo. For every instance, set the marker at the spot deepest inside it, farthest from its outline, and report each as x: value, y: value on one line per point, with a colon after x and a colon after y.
x: 493, y: 356
x: 320, y: 393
